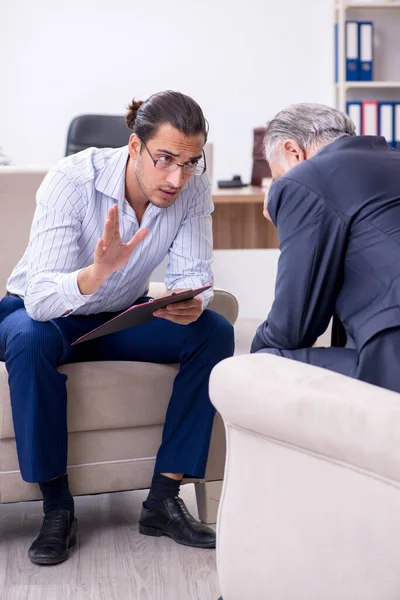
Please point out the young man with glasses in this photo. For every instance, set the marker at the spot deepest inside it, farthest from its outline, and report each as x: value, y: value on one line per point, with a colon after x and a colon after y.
x: 105, y: 218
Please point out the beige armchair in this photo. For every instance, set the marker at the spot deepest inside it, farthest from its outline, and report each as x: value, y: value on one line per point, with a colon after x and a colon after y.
x: 113, y: 434
x: 311, y: 497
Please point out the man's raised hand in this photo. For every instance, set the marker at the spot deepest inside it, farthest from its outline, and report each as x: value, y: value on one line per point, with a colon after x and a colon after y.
x: 110, y: 254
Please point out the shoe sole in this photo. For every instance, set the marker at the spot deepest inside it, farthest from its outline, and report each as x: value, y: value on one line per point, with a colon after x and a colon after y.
x: 56, y: 561
x: 152, y: 531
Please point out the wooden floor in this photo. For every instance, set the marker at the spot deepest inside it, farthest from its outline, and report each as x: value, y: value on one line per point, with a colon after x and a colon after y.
x: 111, y: 560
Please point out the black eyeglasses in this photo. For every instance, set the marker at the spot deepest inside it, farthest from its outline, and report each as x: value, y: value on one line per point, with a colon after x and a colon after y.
x: 166, y: 163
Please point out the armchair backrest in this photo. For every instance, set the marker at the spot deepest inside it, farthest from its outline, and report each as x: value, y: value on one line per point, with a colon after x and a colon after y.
x: 18, y: 187
x: 100, y: 131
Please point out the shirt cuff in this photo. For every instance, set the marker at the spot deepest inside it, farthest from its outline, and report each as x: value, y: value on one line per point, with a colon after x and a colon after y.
x: 192, y: 284
x: 70, y: 291
x: 207, y: 297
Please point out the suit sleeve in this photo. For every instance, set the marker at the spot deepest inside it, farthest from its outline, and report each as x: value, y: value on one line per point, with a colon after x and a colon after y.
x: 312, y: 241
x: 52, y: 271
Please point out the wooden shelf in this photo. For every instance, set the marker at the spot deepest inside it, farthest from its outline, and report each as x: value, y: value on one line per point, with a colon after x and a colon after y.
x: 238, y: 221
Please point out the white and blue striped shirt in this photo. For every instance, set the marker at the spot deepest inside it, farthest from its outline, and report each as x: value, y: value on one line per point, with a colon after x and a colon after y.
x: 72, y: 205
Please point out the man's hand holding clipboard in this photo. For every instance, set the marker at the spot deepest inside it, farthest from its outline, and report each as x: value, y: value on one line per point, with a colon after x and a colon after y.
x: 183, y: 312
x: 140, y: 314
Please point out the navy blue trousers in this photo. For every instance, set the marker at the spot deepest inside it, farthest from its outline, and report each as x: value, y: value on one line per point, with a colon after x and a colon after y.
x: 33, y: 350
x: 378, y: 361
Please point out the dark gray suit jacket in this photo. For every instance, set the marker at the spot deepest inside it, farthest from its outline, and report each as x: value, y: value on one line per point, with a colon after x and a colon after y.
x: 338, y: 220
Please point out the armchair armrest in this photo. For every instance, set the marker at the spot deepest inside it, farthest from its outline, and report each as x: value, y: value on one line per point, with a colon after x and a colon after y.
x: 311, y: 490
x: 311, y: 409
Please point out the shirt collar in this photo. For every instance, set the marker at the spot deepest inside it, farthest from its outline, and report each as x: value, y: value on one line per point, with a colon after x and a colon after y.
x: 110, y: 180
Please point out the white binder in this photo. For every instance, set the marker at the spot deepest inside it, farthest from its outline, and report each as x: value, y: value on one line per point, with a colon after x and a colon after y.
x: 397, y: 125
x: 354, y: 112
x: 370, y: 117
x: 386, y: 128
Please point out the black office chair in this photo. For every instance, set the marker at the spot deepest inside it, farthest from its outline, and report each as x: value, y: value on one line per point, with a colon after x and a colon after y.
x: 100, y: 131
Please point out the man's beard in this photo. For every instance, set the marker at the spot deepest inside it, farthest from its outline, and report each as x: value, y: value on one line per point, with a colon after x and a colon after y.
x: 141, y: 184
x: 159, y: 203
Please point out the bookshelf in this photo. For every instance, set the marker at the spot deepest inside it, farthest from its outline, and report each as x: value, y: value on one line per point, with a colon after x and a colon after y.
x: 386, y: 18
x: 371, y: 84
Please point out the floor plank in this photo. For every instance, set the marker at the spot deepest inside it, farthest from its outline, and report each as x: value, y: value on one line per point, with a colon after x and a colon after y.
x: 111, y: 560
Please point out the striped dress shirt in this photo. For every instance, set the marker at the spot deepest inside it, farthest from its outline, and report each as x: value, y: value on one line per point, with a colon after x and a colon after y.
x: 72, y: 205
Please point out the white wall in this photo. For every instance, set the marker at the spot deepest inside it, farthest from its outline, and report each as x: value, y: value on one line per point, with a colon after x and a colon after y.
x: 241, y: 60
x: 248, y: 274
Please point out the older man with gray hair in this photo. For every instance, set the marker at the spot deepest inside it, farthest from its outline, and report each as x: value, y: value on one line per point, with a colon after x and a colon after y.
x: 336, y: 203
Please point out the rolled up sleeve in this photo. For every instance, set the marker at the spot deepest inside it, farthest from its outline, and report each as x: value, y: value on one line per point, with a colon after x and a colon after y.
x: 52, y: 274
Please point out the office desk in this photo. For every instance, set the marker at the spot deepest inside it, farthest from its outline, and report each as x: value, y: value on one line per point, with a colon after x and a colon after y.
x: 238, y: 221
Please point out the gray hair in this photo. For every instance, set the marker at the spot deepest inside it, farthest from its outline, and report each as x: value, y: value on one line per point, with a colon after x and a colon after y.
x: 310, y: 125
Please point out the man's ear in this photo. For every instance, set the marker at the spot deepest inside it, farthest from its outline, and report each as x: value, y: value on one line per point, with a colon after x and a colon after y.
x: 265, y: 208
x: 134, y: 146
x: 293, y: 152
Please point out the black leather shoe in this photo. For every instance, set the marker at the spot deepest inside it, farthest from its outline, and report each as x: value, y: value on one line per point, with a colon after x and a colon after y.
x: 172, y: 518
x: 57, y: 535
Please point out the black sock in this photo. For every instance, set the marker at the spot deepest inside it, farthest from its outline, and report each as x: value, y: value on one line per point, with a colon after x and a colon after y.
x: 56, y: 495
x: 161, y: 488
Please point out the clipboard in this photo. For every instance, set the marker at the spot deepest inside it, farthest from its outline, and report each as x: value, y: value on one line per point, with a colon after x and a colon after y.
x: 139, y: 314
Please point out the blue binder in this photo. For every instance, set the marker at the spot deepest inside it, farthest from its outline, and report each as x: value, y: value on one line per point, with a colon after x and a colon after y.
x: 396, y: 109
x: 386, y: 122
x: 366, y: 52
x: 354, y: 112
x: 352, y: 51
